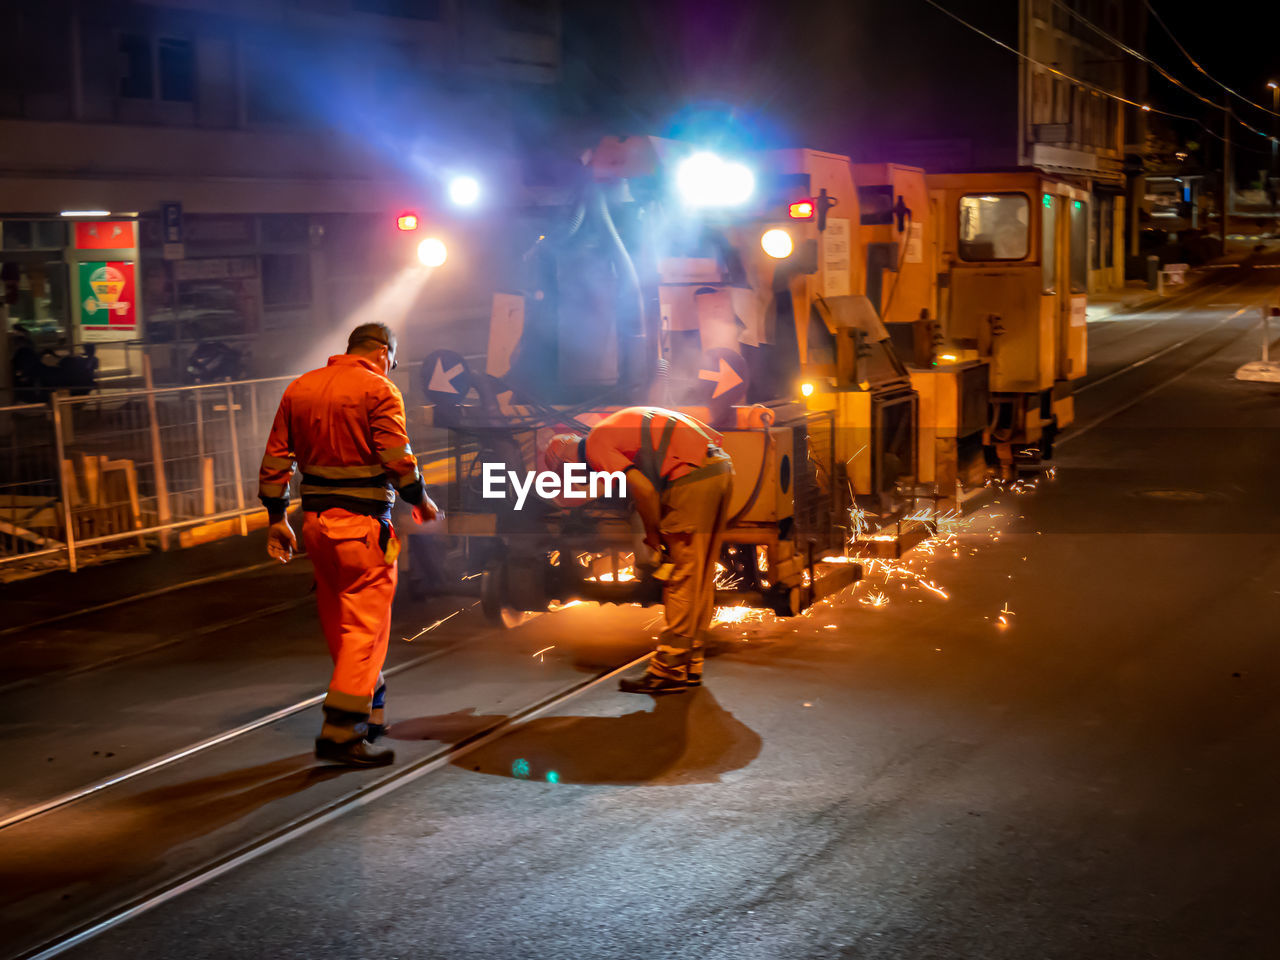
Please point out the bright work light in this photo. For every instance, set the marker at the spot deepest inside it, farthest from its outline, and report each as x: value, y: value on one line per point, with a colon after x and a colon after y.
x: 777, y: 243
x: 432, y: 252
x: 464, y: 191
x: 706, y: 180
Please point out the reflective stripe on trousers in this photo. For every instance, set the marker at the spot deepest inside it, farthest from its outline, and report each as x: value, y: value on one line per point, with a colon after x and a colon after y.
x: 355, y: 585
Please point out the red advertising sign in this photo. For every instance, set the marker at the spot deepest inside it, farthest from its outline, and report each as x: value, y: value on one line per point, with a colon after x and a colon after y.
x: 108, y: 301
x: 106, y: 234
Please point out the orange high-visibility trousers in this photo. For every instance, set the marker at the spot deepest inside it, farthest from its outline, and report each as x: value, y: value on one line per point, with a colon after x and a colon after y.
x: 355, y: 585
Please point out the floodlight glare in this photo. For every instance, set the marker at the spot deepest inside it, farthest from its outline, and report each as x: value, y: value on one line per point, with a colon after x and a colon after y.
x: 432, y: 252
x: 777, y: 243
x: 706, y: 180
x: 464, y: 191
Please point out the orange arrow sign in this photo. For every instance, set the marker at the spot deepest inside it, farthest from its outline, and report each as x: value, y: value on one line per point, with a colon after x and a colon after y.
x: 726, y: 379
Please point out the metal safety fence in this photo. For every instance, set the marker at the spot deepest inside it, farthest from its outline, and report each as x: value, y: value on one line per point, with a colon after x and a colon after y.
x: 84, y: 477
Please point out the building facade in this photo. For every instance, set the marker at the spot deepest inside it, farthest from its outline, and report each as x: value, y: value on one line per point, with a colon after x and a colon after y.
x: 1075, y: 131
x: 950, y: 100
x: 262, y: 149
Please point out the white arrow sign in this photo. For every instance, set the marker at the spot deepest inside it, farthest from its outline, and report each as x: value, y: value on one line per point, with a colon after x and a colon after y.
x: 442, y: 379
x: 726, y: 379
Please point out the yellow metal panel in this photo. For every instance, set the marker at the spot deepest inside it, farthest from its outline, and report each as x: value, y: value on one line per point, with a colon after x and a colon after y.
x: 852, y: 432
x: 926, y: 383
x: 1073, y: 357
x: 908, y: 291
x: 1064, y: 409
x: 760, y: 464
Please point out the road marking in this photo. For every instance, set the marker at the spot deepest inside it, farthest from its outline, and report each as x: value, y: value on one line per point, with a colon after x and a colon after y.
x: 1080, y: 432
x: 1159, y: 353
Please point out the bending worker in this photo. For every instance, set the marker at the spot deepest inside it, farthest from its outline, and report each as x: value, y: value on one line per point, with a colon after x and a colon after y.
x: 679, y: 481
x: 344, y: 424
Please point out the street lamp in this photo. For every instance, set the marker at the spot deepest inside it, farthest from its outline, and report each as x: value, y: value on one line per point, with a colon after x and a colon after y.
x: 1275, y: 108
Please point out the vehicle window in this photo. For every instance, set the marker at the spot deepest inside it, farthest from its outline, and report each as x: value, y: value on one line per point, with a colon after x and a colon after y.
x: 875, y: 205
x: 1079, y: 247
x: 994, y: 226
x: 1049, y: 244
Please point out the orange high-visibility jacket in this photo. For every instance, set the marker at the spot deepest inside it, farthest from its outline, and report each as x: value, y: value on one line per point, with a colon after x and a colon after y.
x: 344, y: 426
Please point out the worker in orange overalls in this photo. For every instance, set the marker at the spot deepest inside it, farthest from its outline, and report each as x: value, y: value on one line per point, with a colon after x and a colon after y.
x: 344, y: 425
x: 679, y: 481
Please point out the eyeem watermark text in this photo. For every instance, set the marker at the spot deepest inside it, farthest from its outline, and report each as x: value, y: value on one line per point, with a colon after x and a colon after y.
x: 576, y: 483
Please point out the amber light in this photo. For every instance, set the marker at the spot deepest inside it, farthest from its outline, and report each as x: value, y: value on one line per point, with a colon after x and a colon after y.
x: 801, y: 210
x: 407, y: 221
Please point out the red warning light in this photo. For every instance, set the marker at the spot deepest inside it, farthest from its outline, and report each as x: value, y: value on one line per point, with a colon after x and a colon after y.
x: 407, y: 221
x: 801, y: 210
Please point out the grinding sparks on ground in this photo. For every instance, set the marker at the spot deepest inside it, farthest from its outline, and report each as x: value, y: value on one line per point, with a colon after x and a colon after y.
x: 556, y: 605
x: 541, y: 654
x: 428, y: 629
x: 1005, y: 613
x: 875, y: 600
x: 732, y: 615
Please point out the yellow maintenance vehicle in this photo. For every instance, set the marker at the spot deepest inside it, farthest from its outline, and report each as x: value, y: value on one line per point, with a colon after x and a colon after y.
x: 1012, y: 291
x: 791, y: 300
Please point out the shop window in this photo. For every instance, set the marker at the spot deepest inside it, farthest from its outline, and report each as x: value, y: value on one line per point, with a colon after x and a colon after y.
x: 994, y: 226
x: 1107, y: 234
x: 286, y: 280
x: 33, y: 295
x: 34, y: 235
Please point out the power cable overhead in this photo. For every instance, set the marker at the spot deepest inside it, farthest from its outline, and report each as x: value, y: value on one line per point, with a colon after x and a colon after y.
x: 1101, y: 91
x: 1138, y: 55
x: 1195, y: 63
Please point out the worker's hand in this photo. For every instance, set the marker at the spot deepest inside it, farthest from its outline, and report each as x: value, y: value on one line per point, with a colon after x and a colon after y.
x: 652, y: 540
x: 426, y: 511
x: 281, y: 543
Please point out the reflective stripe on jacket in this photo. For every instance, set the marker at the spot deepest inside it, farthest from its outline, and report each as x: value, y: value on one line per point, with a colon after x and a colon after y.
x: 344, y: 427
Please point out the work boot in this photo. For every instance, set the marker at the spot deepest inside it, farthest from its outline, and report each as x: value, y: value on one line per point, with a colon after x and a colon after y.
x: 353, y: 753
x: 652, y: 683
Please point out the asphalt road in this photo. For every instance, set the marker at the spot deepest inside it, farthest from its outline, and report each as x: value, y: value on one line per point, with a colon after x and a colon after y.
x: 913, y: 778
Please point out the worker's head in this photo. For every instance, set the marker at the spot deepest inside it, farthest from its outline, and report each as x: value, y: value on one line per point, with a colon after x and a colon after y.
x: 376, y: 343
x: 565, y: 448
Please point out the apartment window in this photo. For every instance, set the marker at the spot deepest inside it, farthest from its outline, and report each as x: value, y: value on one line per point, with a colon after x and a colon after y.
x: 177, y: 70
x: 152, y: 68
